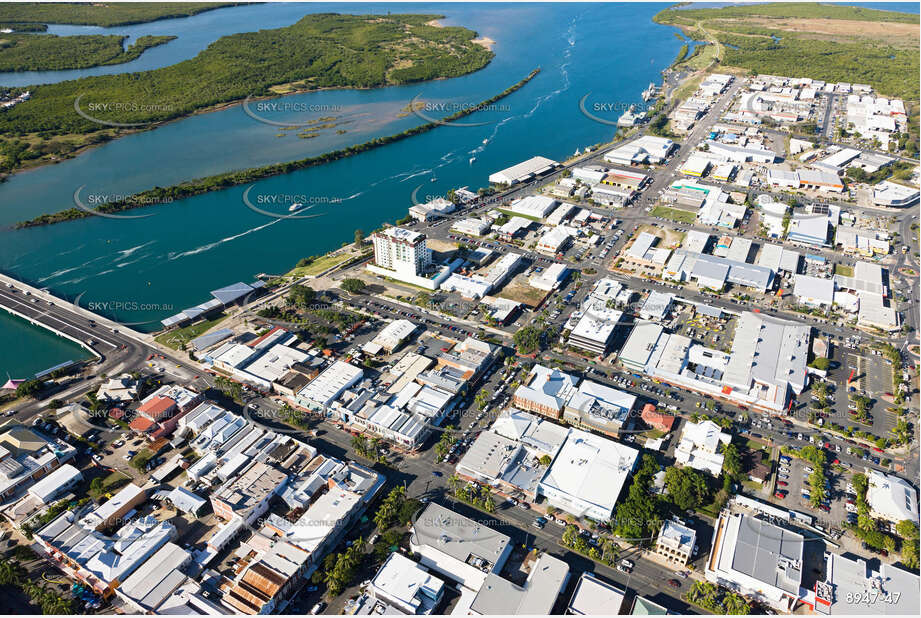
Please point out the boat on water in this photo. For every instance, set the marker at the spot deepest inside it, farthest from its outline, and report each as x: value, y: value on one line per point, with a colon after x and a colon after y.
x: 486, y: 141
x: 295, y: 206
x: 630, y: 118
x: 472, y: 159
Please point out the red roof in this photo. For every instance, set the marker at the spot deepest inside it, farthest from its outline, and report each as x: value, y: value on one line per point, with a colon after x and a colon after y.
x: 157, y: 407
x: 142, y: 423
x: 116, y: 412
x: 656, y: 420
x: 253, y: 344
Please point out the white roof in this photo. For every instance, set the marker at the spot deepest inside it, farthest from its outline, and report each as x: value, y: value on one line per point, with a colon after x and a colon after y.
x: 595, y: 327
x: 185, y: 500
x: 815, y: 288
x: 593, y: 596
x: 696, y: 241
x: 590, y: 393
x: 549, y: 387
x: 233, y: 354
x: 327, y: 386
x: 524, y: 170
x: 892, y: 497
x: 657, y: 304
x: 403, y: 235
x: 677, y: 536
x: 112, y: 506
x: 157, y: 578
x: 641, y: 245
x: 394, y: 333
x: 554, y: 238
x: 275, y: 362
x: 406, y: 581
x: 642, y: 341
x: 591, y: 469
x: 888, y: 192
x: 781, y: 348
x: 51, y: 484
x: 537, y: 206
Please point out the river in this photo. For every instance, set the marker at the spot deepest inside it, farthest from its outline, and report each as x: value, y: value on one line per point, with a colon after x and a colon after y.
x: 155, y: 266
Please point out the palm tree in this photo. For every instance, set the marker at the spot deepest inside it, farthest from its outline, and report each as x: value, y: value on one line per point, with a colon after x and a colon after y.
x: 454, y: 483
x: 359, y: 444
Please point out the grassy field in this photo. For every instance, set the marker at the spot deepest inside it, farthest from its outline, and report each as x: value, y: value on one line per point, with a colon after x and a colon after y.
x: 703, y: 57
x: 687, y: 88
x: 518, y: 214
x: 519, y: 290
x: 321, y: 264
x: 844, y: 270
x: 177, y: 338
x: 675, y: 214
x: 110, y: 483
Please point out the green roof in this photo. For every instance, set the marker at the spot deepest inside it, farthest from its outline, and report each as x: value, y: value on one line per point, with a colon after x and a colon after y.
x: 645, y: 607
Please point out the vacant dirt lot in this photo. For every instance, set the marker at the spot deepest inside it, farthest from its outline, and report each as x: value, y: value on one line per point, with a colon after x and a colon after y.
x: 896, y: 34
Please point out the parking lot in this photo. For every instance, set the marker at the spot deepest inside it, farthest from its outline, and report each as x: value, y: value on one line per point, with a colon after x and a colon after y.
x: 793, y: 481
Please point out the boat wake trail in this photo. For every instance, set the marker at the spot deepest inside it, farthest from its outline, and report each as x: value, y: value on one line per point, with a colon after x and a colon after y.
x: 127, y: 252
x: 175, y: 256
x: 58, y: 273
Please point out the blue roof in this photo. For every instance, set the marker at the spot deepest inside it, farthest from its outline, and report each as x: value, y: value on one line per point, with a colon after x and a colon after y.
x: 209, y: 339
x: 232, y: 292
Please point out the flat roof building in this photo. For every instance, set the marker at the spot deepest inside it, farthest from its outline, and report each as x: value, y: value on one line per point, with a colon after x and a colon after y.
x: 406, y: 586
x: 647, y: 149
x: 657, y: 305
x: 524, y: 171
x: 328, y: 386
x: 595, y: 330
x: 892, y: 194
x: 587, y: 476
x: 458, y: 547
x: 546, y: 579
x: 533, y: 206
x: 545, y: 392
x: 814, y: 291
x: 757, y: 558
x: 593, y: 596
x: 675, y: 543
x: 598, y: 407
x: 637, y: 350
x: 853, y: 588
x: 891, y: 497
x: 248, y: 495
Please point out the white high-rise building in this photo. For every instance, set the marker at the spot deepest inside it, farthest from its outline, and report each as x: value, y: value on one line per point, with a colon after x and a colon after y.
x: 402, y: 251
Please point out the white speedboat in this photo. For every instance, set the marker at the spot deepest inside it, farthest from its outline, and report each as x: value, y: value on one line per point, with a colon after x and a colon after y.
x: 295, y: 206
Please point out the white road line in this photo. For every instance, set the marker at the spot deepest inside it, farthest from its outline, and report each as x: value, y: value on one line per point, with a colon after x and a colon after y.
x: 91, y: 334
